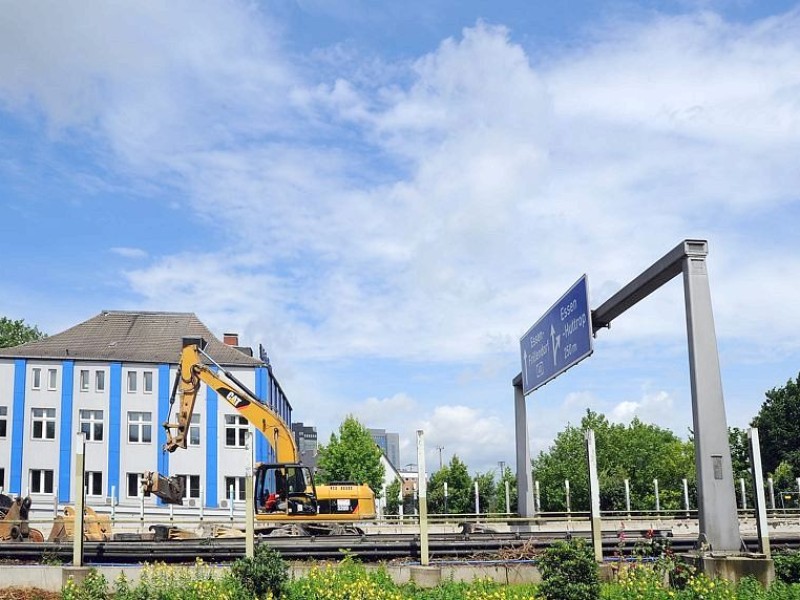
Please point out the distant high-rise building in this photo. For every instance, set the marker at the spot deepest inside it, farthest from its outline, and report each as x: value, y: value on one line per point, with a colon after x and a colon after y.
x: 389, y: 443
x: 305, y: 436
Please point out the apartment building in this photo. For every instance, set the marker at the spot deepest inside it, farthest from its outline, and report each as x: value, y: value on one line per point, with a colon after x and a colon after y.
x: 111, y: 378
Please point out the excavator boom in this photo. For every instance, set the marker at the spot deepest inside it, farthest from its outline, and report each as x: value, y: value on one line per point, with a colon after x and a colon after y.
x: 192, y: 371
x: 326, y: 503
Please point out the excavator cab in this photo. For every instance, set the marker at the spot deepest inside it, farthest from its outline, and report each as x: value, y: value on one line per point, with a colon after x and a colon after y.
x: 285, y: 488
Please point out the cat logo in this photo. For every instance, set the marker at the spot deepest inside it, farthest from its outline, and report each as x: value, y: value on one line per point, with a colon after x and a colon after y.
x: 235, y: 400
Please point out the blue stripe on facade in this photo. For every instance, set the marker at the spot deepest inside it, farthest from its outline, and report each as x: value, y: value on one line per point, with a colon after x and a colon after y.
x: 163, y: 415
x: 114, y: 426
x: 261, y: 392
x: 212, y: 445
x: 66, y: 433
x: 17, y: 427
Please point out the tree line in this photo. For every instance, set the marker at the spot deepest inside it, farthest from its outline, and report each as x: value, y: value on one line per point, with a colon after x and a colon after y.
x: 637, y: 454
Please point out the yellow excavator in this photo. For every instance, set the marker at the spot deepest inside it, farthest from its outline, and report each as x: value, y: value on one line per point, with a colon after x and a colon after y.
x: 284, y: 490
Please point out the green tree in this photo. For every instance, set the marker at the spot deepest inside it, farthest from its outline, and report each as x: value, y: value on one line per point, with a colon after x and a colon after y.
x: 740, y: 459
x: 740, y: 453
x: 779, y: 427
x: 487, y: 492
x: 14, y: 333
x: 351, y: 456
x: 638, y: 452
x: 506, y: 476
x: 393, y: 497
x: 460, y: 495
x: 783, y: 479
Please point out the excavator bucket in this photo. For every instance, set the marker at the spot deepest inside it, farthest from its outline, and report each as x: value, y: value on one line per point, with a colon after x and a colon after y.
x: 96, y: 528
x: 170, y: 489
x: 14, y: 520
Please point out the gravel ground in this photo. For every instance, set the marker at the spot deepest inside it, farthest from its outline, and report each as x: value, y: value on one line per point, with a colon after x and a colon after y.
x: 27, y: 593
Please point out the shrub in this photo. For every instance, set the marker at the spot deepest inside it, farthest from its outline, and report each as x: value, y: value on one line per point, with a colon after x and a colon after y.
x: 93, y: 587
x: 787, y: 566
x: 265, y: 573
x: 635, y: 581
x: 749, y: 588
x: 160, y: 581
x: 348, y: 580
x: 569, y: 571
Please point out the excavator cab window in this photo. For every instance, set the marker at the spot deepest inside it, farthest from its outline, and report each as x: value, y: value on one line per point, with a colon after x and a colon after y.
x: 285, y: 488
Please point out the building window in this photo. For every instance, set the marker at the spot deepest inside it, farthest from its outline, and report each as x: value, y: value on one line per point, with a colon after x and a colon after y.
x: 84, y: 379
x: 92, y: 424
x: 2, y: 478
x: 235, y: 431
x: 237, y: 483
x: 131, y: 381
x: 147, y: 382
x: 3, y: 422
x: 194, y: 431
x: 43, y: 423
x: 140, y: 427
x: 134, y: 485
x: 41, y: 481
x: 36, y: 378
x: 99, y: 381
x: 191, y: 485
x: 93, y: 482
x: 52, y: 379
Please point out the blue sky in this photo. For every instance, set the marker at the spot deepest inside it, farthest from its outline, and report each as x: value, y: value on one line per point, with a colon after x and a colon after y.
x: 388, y: 195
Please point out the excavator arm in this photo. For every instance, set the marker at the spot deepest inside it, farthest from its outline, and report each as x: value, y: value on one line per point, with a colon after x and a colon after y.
x: 192, y: 371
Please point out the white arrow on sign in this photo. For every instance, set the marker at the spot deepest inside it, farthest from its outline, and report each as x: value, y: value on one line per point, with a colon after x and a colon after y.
x: 556, y: 341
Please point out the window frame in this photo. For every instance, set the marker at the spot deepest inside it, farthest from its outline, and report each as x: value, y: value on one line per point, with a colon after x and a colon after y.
x: 100, y: 380
x: 3, y: 425
x: 36, y: 378
x: 83, y: 380
x: 137, y: 487
x: 93, y: 477
x: 52, y: 380
x: 195, y: 429
x: 44, y: 421
x: 42, y: 481
x: 142, y: 423
x: 240, y: 425
x: 191, y: 492
x: 92, y: 421
x: 147, y: 382
x: 132, y: 383
x: 238, y: 487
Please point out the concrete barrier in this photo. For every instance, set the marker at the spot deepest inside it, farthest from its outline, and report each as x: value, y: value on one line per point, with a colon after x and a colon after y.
x: 53, y: 578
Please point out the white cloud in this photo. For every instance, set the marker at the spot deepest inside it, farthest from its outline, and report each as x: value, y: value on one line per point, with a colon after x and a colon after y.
x: 127, y: 252
x: 653, y: 407
x: 375, y: 411
x: 498, y: 181
x: 477, y: 437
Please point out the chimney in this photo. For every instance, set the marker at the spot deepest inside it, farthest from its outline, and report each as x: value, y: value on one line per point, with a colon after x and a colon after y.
x: 231, y: 339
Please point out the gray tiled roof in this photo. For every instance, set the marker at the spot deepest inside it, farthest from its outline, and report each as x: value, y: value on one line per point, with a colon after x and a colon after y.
x: 127, y: 336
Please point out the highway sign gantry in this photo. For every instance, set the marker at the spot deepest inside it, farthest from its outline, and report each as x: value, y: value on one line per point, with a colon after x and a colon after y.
x: 559, y: 340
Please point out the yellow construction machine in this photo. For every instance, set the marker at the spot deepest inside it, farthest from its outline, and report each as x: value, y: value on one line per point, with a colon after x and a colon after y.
x: 14, y: 520
x: 96, y: 527
x: 284, y: 490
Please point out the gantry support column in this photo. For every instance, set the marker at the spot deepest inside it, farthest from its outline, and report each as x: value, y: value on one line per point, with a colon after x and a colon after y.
x: 525, y: 505
x: 716, y: 492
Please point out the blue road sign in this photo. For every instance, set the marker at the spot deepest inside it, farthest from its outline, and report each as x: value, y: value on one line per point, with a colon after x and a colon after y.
x: 560, y: 339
